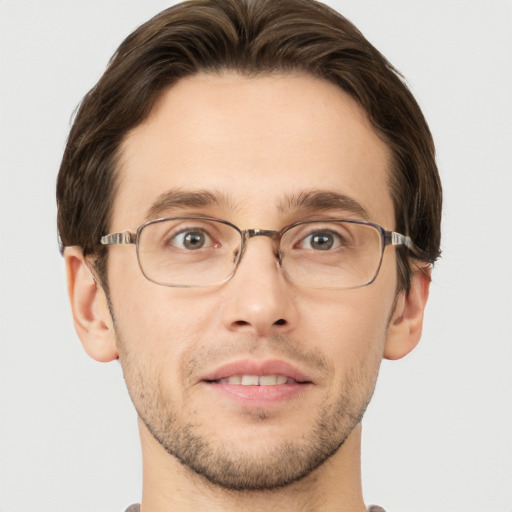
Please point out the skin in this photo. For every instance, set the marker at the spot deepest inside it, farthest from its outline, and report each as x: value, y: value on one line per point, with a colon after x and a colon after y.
x: 251, y: 142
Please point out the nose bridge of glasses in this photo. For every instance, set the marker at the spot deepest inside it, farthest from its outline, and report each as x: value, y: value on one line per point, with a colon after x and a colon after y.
x: 275, y: 236
x: 250, y: 233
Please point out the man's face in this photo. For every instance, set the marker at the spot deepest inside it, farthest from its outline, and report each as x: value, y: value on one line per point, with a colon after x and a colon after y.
x: 256, y: 146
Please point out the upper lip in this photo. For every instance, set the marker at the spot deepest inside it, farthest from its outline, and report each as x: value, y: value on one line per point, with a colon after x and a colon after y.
x: 255, y: 367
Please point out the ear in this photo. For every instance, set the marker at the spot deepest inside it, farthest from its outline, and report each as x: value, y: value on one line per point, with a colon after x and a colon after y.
x: 91, y: 315
x: 405, y: 326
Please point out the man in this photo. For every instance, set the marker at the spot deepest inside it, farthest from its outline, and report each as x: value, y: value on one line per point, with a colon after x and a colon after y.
x: 249, y: 208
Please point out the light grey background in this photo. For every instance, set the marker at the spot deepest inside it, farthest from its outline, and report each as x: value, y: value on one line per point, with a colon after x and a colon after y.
x: 438, y: 433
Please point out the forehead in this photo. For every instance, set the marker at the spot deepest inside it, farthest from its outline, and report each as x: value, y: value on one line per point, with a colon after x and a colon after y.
x: 256, y: 144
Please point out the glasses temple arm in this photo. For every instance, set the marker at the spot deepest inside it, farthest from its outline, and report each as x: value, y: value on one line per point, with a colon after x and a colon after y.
x: 119, y: 238
x: 395, y: 238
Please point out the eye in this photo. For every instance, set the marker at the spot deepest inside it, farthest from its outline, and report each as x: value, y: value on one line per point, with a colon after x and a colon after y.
x: 191, y: 240
x: 321, y: 241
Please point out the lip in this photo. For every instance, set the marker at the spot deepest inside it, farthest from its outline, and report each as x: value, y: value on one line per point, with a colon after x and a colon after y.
x: 258, y: 396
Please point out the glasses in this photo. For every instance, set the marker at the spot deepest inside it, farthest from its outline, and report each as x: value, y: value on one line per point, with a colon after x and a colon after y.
x: 203, y: 251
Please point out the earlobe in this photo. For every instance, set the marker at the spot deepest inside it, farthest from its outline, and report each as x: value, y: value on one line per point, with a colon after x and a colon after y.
x: 91, y: 315
x: 406, y: 323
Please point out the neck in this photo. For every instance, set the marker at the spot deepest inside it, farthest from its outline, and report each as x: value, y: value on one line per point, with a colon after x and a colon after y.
x: 168, y: 486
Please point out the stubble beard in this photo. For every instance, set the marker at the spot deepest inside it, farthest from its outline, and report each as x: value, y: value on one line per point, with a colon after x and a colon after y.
x: 236, y: 468
x: 239, y: 470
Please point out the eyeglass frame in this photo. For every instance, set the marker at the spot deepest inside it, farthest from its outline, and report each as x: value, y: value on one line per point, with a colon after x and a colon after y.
x: 388, y: 238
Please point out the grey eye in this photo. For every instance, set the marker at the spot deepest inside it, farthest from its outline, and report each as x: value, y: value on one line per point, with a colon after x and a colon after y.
x: 191, y: 240
x: 321, y: 241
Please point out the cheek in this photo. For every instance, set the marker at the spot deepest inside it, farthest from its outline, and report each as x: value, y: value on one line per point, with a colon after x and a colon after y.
x: 147, y: 314
x: 153, y: 335
x: 158, y: 326
x: 351, y: 333
x: 350, y: 328
x: 353, y: 319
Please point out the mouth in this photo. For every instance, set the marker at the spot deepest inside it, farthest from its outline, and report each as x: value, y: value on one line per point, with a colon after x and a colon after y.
x: 249, y: 372
x: 258, y: 383
x: 257, y: 380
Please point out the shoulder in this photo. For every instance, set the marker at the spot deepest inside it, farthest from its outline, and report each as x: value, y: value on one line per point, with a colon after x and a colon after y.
x: 371, y: 508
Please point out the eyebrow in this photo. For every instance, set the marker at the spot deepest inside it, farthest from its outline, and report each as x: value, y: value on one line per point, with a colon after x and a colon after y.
x: 176, y: 198
x: 321, y: 200
x: 311, y: 200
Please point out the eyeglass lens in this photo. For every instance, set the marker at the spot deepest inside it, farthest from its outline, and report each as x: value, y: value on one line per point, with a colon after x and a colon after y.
x: 201, y: 252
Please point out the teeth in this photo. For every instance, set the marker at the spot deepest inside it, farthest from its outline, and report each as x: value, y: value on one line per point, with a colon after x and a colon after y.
x: 237, y: 379
x: 255, y: 380
x: 268, y: 380
x: 250, y: 380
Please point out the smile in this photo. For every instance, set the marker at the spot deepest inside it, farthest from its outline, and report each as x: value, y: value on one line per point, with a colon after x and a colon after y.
x: 258, y: 384
x: 248, y: 372
x: 257, y: 380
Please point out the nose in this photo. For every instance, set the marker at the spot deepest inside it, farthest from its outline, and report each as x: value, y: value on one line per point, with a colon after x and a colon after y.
x: 258, y: 299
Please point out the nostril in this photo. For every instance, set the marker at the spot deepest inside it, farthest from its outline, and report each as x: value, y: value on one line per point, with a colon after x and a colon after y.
x: 241, y: 322
x: 281, y: 321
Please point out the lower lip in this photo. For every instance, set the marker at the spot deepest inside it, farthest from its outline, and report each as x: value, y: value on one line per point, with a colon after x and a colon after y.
x: 260, y: 396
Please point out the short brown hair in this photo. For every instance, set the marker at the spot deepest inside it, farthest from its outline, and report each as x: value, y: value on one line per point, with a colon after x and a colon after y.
x: 249, y: 37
